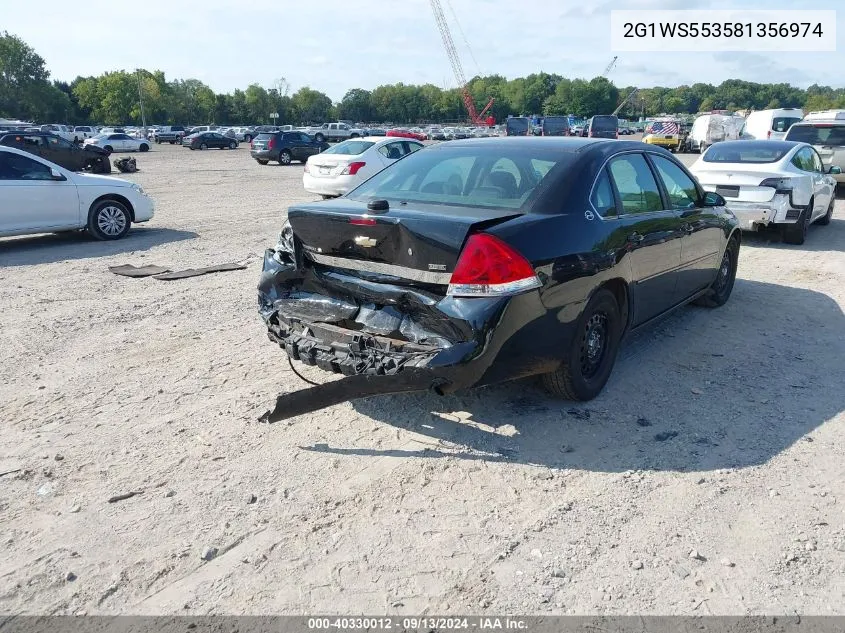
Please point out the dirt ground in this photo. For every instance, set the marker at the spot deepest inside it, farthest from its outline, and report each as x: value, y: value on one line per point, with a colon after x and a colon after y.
x: 704, y: 480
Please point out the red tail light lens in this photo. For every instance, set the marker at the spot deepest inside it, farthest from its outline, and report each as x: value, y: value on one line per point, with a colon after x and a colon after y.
x: 487, y: 267
x: 271, y: 143
x: 352, y: 168
x: 362, y: 221
x: 769, y: 135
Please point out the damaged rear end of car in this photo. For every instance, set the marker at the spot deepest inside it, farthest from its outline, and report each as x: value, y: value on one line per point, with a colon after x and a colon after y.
x: 407, y: 292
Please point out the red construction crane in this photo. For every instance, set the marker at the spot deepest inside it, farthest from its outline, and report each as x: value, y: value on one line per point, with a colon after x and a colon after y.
x: 476, y: 117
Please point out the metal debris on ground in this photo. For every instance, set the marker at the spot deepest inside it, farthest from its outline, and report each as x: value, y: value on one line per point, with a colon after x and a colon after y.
x: 126, y: 165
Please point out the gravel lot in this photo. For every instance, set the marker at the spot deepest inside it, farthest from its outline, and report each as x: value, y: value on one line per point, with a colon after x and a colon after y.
x: 704, y: 480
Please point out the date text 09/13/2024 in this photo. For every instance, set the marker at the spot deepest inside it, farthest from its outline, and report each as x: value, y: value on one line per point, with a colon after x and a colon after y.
x: 421, y: 623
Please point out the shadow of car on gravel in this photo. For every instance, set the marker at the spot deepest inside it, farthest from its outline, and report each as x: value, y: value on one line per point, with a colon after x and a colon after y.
x: 55, y: 247
x: 819, y: 238
x: 699, y: 390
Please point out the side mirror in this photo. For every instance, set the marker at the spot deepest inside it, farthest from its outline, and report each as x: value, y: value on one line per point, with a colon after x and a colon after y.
x: 834, y: 170
x: 55, y: 174
x: 712, y: 199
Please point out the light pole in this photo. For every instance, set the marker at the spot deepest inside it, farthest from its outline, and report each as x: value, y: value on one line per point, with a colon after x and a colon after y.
x: 141, y: 99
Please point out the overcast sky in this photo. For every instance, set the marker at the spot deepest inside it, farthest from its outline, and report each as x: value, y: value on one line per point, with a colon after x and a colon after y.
x: 335, y: 45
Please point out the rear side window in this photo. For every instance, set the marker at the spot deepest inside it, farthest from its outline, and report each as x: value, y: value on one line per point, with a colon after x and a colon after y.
x: 16, y: 167
x: 680, y: 187
x: 818, y: 134
x: 602, y: 198
x: 783, y: 123
x: 635, y: 183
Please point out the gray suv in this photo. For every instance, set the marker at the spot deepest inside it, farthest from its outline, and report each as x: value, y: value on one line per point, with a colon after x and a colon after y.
x: 828, y: 137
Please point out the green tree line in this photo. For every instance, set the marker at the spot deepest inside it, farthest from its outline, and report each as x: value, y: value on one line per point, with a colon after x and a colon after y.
x: 26, y: 92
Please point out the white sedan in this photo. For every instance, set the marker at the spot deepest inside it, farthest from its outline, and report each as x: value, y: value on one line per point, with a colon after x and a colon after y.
x: 764, y: 183
x: 37, y: 196
x: 118, y: 142
x: 344, y: 166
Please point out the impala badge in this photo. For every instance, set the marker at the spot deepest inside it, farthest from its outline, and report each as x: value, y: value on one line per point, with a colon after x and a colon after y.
x: 365, y: 242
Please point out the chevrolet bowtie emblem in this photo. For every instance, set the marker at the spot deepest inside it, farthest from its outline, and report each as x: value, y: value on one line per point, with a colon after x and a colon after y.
x: 366, y: 242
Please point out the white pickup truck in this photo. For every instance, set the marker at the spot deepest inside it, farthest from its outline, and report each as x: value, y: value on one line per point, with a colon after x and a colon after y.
x: 334, y: 132
x: 65, y: 131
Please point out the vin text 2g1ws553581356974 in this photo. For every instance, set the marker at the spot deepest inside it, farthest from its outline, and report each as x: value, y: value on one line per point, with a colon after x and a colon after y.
x: 479, y: 261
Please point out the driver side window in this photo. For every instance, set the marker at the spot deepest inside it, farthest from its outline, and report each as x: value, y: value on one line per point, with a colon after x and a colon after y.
x: 16, y: 167
x: 682, y: 191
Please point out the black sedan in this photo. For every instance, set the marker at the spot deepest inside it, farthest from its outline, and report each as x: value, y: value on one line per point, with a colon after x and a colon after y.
x: 474, y: 262
x: 285, y: 147
x: 206, y: 140
x: 58, y: 150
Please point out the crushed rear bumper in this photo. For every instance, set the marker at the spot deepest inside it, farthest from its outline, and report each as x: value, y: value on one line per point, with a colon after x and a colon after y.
x: 384, y: 338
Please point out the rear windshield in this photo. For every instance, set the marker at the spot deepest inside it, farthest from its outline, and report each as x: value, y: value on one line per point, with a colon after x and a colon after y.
x: 745, y: 152
x: 264, y: 136
x: 604, y: 123
x: 783, y: 123
x: 818, y: 134
x: 518, y: 124
x: 473, y: 176
x: 350, y: 148
x: 555, y: 124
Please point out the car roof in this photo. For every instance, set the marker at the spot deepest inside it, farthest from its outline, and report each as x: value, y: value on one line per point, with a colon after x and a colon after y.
x: 783, y: 146
x: 567, y: 144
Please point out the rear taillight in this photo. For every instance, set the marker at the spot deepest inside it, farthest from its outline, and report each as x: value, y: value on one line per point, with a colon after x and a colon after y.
x: 251, y: 145
x: 488, y: 267
x: 271, y: 143
x: 307, y: 171
x: 780, y: 185
x: 352, y: 168
x: 769, y: 134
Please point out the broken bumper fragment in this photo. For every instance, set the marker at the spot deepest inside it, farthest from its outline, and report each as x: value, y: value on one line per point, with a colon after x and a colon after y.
x: 386, y: 337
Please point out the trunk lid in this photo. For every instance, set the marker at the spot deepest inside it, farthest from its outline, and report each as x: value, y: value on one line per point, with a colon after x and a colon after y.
x: 413, y: 243
x: 738, y: 185
x: 328, y: 165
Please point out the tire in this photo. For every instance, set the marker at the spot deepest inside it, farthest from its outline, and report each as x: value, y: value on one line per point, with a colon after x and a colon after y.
x: 319, y: 137
x: 581, y: 376
x: 233, y: 145
x: 203, y: 146
x: 247, y: 138
x: 825, y: 219
x: 158, y: 141
x: 109, y: 220
x: 285, y: 157
x: 355, y: 136
x: 263, y: 162
x: 144, y: 148
x: 702, y: 148
x: 720, y: 290
x: 109, y: 149
x: 173, y: 142
x: 797, y: 233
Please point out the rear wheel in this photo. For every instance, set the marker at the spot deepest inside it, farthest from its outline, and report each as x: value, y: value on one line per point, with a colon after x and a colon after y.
x: 589, y: 361
x: 233, y: 145
x: 797, y: 233
x: 173, y: 142
x: 109, y: 220
x: 108, y: 148
x: 247, y: 138
x: 144, y: 147
x: 203, y: 146
x: 263, y: 162
x: 720, y: 290
x: 825, y: 219
x: 285, y: 157
x: 319, y: 137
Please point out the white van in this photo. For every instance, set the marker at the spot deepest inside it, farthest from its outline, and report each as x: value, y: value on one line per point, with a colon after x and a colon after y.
x: 826, y: 115
x: 712, y: 128
x: 772, y: 124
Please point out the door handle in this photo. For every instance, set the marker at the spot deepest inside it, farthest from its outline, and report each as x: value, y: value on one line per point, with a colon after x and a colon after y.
x: 635, y: 238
